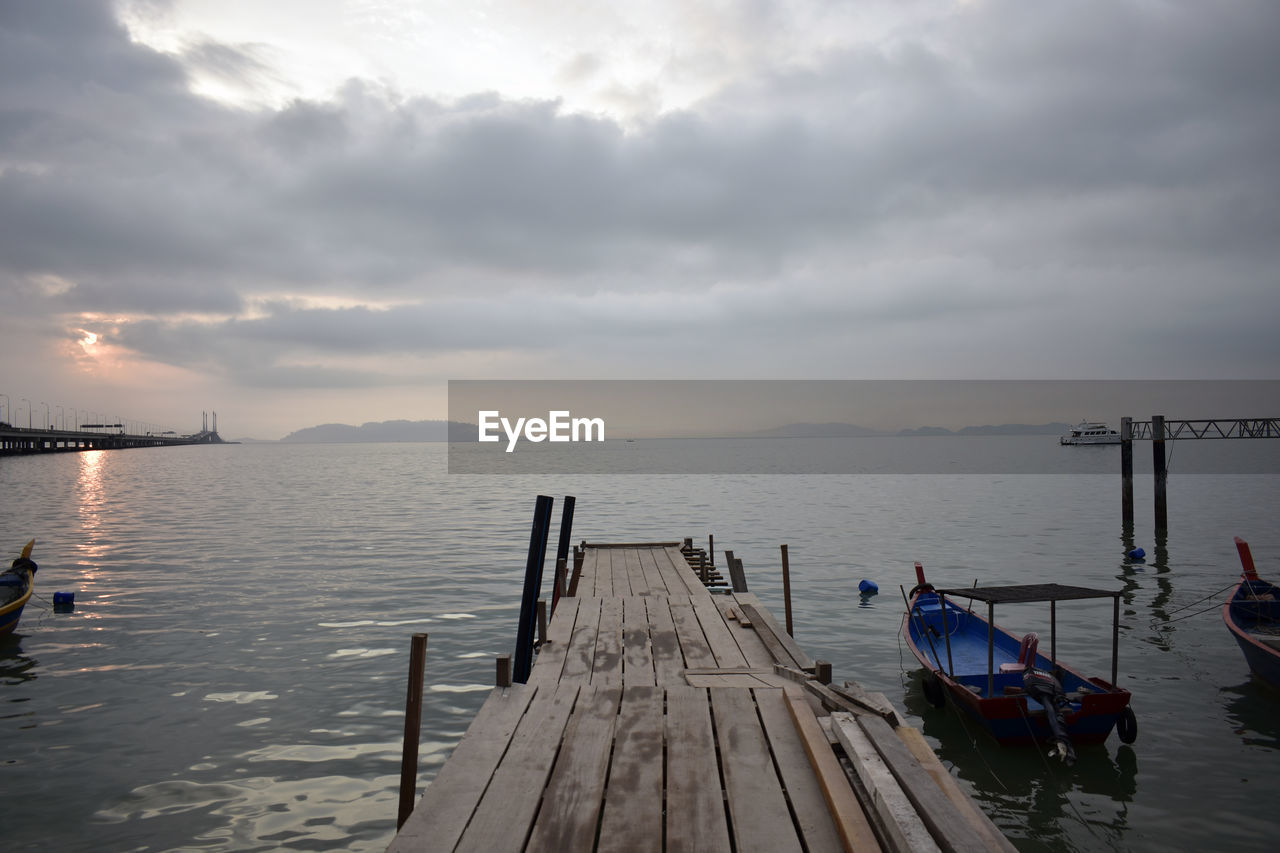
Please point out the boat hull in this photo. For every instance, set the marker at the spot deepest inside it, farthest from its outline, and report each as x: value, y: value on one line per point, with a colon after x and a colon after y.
x: 1013, y: 719
x: 1249, y: 616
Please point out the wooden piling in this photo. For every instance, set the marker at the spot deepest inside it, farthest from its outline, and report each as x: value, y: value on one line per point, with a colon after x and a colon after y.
x: 542, y: 621
x: 504, y: 671
x: 786, y: 590
x: 412, y: 727
x: 1161, y: 474
x: 1126, y: 471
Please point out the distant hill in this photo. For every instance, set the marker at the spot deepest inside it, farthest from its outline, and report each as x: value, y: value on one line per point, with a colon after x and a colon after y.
x: 384, y: 431
x: 832, y: 430
x: 989, y: 429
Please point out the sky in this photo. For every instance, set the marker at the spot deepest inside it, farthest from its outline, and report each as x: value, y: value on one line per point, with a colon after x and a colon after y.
x: 295, y: 213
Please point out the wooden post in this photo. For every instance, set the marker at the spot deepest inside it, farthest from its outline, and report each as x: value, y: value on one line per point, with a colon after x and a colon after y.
x: 1161, y: 475
x: 786, y: 590
x: 822, y: 671
x: 1126, y: 471
x: 412, y: 727
x: 561, y: 582
x: 702, y: 568
x: 711, y: 549
x: 542, y: 621
x: 532, y: 587
x: 504, y: 671
x: 562, y: 546
x: 579, y: 556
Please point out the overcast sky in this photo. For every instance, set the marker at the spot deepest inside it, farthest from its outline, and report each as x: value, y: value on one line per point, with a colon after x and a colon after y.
x: 305, y: 212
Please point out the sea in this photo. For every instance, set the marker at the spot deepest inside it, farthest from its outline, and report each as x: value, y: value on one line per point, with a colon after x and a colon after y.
x: 232, y: 673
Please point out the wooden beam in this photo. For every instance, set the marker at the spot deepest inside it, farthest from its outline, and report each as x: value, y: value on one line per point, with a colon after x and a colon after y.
x: 851, y: 823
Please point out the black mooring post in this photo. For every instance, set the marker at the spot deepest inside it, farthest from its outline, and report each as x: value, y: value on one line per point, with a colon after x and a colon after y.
x: 1161, y: 473
x: 532, y: 585
x: 1126, y: 472
x: 562, y: 547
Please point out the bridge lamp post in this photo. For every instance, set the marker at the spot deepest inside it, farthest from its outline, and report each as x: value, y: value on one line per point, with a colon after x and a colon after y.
x: 7, y: 408
x: 28, y: 402
x: 46, y: 413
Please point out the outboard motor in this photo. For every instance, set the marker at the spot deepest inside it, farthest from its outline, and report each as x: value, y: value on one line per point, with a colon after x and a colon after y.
x: 1046, y: 689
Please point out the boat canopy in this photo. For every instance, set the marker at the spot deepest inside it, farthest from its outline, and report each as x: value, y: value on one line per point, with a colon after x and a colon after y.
x: 1028, y: 593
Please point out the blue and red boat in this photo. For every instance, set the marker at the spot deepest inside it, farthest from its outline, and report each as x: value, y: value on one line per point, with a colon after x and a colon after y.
x: 1005, y: 682
x: 16, y: 586
x: 1253, y: 616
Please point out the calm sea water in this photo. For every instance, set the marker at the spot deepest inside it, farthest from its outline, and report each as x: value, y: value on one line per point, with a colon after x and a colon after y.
x: 232, y: 677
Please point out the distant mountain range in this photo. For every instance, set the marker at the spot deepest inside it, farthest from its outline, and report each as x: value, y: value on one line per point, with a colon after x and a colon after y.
x: 839, y: 430
x: 383, y: 431
x: 401, y: 430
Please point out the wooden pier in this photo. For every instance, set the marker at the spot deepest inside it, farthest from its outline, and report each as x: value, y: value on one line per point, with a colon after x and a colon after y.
x: 660, y: 715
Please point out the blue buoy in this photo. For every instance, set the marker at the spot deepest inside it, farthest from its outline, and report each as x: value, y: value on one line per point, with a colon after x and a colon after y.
x: 1136, y: 554
x: 64, y: 598
x: 867, y: 587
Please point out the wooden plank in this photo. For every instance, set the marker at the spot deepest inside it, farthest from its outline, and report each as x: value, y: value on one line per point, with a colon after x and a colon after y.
x: 551, y: 655
x: 793, y: 648
x: 877, y: 703
x: 695, y: 804
x: 947, y: 824
x: 671, y: 576
x: 581, y: 656
x: 501, y: 821
x: 653, y: 577
x: 604, y: 572
x: 575, y: 795
x: 723, y: 645
x: 637, y: 648
x: 632, y: 821
x: 449, y: 801
x: 607, y: 667
x: 668, y: 657
x: 740, y: 626
x: 897, y: 814
x: 635, y: 572
x: 586, y: 585
x: 976, y: 818
x: 777, y: 651
x: 697, y: 653
x: 846, y: 812
x: 807, y: 802
x: 757, y: 805
x: 621, y: 576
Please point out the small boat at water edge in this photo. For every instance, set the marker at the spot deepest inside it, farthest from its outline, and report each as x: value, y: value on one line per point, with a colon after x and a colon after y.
x: 16, y: 586
x: 1002, y: 681
x: 1253, y: 616
x: 1090, y: 432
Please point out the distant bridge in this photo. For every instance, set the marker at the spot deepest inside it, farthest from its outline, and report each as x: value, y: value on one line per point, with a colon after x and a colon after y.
x: 16, y: 441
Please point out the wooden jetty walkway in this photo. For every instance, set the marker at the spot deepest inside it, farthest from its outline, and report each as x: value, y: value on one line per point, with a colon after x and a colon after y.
x: 661, y: 715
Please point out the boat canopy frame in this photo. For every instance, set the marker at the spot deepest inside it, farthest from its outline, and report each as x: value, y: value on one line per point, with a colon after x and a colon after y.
x: 1031, y: 594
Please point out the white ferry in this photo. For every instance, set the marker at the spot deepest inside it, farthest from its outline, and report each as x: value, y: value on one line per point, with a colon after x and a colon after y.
x: 1087, y: 432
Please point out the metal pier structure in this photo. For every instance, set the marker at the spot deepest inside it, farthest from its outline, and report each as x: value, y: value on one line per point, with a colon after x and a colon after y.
x: 663, y: 715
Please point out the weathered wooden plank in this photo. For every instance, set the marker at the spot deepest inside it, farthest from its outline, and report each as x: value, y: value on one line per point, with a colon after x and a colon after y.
x: 607, y: 667
x: 604, y: 572
x: 948, y: 826
x: 637, y: 648
x: 575, y: 794
x: 580, y: 658
x: 621, y: 576
x: 897, y: 814
x: 851, y: 823
x: 501, y: 822
x: 875, y: 702
x: 802, y: 659
x: 740, y: 626
x: 449, y: 801
x: 976, y: 818
x: 586, y: 586
x: 551, y: 654
x: 632, y: 821
x: 668, y: 657
x: 668, y: 568
x: 697, y: 652
x: 777, y: 651
x: 807, y: 802
x: 635, y: 572
x: 653, y: 578
x: 723, y: 645
x: 695, y: 804
x: 757, y: 806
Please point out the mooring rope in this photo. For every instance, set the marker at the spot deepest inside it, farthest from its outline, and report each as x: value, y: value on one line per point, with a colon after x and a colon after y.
x: 1156, y: 622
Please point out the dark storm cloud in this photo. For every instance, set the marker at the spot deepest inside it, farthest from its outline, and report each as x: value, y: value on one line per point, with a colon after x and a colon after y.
x: 978, y: 175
